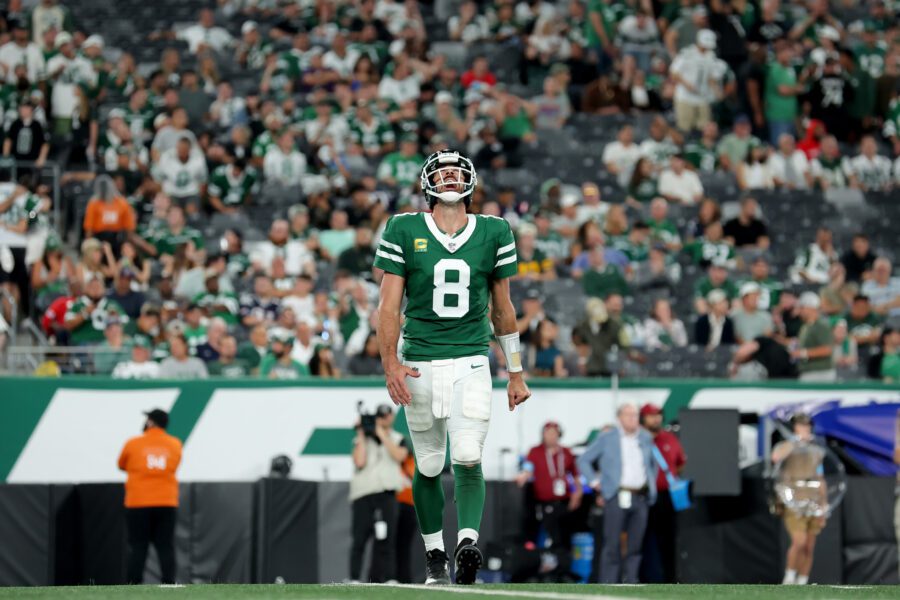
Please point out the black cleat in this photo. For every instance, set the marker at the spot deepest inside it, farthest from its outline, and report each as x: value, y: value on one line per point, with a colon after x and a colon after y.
x: 437, y: 568
x: 468, y: 560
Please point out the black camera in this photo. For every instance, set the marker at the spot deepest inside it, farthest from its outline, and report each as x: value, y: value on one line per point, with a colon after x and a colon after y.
x: 367, y: 422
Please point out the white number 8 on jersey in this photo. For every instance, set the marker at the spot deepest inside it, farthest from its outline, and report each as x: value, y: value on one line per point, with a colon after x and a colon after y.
x: 444, y: 288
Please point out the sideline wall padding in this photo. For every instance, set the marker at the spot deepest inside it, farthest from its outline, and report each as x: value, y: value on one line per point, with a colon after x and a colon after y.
x: 287, y: 531
x: 300, y: 531
x: 26, y: 554
x: 870, y: 548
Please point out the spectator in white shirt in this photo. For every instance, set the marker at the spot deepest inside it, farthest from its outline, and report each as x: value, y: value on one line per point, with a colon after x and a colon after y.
x: 868, y: 171
x: 340, y: 58
x: 693, y: 71
x: 661, y: 144
x: 68, y: 71
x: 755, y: 173
x: 205, y: 34
x: 140, y: 366
x: 183, y: 174
x: 789, y: 166
x: 326, y: 126
x: 663, y: 329
x: 883, y: 290
x: 21, y: 51
x: 227, y: 109
x: 680, y: 184
x: 829, y: 169
x: 170, y: 131
x: 469, y: 26
x: 402, y: 85
x: 304, y: 341
x: 619, y: 157
x: 297, y: 257
x: 283, y: 163
x: 814, y: 264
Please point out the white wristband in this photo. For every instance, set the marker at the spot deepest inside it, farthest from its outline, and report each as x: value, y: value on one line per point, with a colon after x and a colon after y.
x: 509, y: 343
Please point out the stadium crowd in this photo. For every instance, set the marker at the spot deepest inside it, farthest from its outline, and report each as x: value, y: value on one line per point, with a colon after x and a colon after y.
x: 239, y: 181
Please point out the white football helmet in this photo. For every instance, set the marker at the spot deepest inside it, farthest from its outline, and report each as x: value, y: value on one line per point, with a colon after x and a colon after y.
x: 448, y: 176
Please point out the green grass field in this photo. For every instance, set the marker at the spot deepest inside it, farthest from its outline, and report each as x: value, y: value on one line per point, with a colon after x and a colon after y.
x: 481, y: 592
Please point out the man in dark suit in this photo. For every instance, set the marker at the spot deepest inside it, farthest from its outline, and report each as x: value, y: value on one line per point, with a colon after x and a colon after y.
x: 715, y: 328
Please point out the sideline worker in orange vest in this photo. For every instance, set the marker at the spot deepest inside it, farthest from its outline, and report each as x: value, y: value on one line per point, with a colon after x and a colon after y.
x: 151, y: 496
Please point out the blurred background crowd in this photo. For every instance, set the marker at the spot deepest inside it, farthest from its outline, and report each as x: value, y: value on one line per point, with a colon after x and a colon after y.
x: 697, y: 188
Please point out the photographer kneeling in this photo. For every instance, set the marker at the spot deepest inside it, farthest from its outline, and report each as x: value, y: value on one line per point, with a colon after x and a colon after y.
x: 378, y: 452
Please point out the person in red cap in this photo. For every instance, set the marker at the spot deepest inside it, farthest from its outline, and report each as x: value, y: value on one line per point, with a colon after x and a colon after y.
x: 551, y: 468
x: 659, y: 542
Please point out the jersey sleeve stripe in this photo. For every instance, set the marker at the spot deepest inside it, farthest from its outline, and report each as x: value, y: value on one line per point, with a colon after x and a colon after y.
x: 505, y: 261
x: 387, y: 244
x: 392, y: 257
x: 505, y: 249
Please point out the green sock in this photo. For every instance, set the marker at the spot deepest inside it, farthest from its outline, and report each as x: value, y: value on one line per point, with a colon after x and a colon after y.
x: 428, y: 498
x: 469, y: 485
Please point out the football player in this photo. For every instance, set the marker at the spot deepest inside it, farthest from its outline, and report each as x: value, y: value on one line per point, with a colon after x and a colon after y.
x: 454, y: 269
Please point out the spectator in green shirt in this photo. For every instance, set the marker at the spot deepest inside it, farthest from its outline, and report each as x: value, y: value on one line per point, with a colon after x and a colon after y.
x: 716, y: 279
x: 228, y: 365
x: 701, y: 154
x: 815, y: 343
x: 113, y: 350
x: 732, y: 149
x: 602, y: 278
x: 515, y: 118
x: 255, y: 348
x: 643, y: 185
x: 86, y: 318
x: 278, y: 363
x: 890, y: 360
x: 782, y: 89
x: 600, y: 31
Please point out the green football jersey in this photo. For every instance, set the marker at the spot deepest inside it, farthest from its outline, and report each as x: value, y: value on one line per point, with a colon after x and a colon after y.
x: 195, y: 337
x: 892, y: 120
x: 871, y: 58
x: 166, y: 241
x: 233, y: 190
x: 262, y: 144
x: 225, y: 300
x: 703, y: 251
x: 91, y: 330
x: 402, y: 169
x: 372, y: 136
x: 447, y: 281
x: 702, y: 157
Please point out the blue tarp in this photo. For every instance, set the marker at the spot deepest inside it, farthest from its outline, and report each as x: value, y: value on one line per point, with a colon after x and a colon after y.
x: 867, y: 432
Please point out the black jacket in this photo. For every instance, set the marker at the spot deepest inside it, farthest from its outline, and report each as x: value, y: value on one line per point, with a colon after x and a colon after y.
x: 702, y: 331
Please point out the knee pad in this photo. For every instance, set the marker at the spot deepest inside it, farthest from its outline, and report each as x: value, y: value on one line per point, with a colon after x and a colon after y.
x: 466, y: 447
x: 430, y: 465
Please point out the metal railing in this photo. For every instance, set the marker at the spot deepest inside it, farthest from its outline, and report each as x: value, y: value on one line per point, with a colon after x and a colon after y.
x: 23, y: 360
x: 7, y: 298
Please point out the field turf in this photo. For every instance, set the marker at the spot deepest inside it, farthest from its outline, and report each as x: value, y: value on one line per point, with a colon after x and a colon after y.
x: 480, y: 592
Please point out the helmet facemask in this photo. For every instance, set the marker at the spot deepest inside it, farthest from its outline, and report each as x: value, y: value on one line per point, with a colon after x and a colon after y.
x: 448, y: 177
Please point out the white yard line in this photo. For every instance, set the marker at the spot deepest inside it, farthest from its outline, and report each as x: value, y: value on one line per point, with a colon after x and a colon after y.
x: 487, y: 591
x: 849, y: 587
